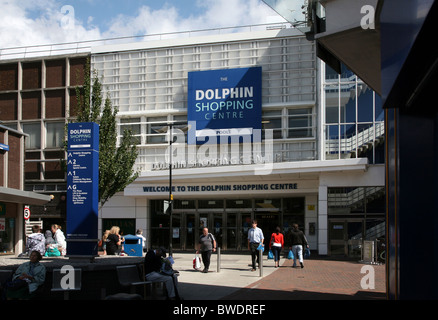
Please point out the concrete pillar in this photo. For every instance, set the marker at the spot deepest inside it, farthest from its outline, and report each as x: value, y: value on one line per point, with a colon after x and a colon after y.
x: 322, y: 221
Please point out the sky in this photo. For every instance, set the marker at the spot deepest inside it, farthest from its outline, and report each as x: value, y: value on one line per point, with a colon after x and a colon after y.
x: 36, y: 22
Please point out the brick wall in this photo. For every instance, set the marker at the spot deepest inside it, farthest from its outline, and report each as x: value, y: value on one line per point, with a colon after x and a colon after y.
x: 55, y: 103
x: 32, y: 170
x: 55, y: 73
x: 31, y: 105
x: 77, y: 71
x: 31, y: 75
x: 8, y: 106
x: 14, y: 161
x: 9, y: 76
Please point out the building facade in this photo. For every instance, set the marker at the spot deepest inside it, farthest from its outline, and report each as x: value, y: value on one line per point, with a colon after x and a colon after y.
x: 14, y: 200
x: 319, y: 162
x: 38, y: 97
x: 320, y: 153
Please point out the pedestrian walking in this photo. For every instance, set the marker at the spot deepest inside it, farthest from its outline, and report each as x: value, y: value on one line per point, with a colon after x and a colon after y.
x: 255, y: 238
x: 206, y: 244
x: 297, y: 241
x: 276, y: 244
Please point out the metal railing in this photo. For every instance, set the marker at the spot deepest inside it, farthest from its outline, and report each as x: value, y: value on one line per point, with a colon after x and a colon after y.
x: 353, y: 142
x: 85, y: 46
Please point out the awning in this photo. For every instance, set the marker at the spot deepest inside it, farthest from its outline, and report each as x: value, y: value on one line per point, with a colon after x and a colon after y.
x: 24, y: 197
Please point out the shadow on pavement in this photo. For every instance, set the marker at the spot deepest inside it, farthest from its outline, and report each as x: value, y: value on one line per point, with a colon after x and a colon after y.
x: 190, y: 291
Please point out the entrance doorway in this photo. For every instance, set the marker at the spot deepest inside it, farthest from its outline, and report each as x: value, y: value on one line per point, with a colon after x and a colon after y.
x: 228, y: 220
x: 267, y: 214
x: 189, y: 232
x: 345, y: 237
x: 235, y: 233
x: 267, y: 221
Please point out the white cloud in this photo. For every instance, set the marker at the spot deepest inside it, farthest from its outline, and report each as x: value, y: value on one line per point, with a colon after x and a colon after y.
x: 18, y: 28
x: 26, y: 22
x: 216, y: 14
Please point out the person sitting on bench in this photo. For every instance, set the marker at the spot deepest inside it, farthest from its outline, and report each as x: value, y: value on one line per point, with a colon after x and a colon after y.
x: 153, y: 266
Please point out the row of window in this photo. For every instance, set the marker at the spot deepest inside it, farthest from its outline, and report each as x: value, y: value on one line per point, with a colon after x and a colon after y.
x: 53, y: 132
x: 353, y: 119
x: 286, y: 123
x: 286, y: 205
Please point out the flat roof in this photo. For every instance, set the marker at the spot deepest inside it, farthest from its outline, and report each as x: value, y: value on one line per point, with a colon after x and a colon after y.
x: 184, y: 41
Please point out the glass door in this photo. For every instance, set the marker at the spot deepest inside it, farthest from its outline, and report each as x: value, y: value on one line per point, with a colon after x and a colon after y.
x: 337, y: 237
x: 354, y: 238
x: 176, y: 231
x: 345, y: 237
x: 218, y: 227
x: 231, y: 233
x: 238, y: 222
x: 267, y: 214
x: 245, y: 223
x: 190, y: 231
x: 268, y: 221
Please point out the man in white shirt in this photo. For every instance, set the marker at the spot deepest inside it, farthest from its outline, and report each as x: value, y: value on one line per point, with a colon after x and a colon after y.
x: 140, y: 234
x: 255, y: 238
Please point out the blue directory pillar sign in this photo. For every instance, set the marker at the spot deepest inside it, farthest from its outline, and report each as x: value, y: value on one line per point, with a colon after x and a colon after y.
x: 82, y: 188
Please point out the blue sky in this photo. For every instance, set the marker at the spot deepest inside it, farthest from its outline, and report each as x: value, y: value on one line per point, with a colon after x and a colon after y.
x: 32, y: 22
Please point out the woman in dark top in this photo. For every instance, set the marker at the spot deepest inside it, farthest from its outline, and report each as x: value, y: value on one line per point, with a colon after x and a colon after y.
x: 113, y: 242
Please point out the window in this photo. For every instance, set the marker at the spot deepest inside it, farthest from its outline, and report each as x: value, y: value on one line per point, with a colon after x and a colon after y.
x: 300, y: 123
x: 180, y: 122
x: 157, y: 130
x: 354, y: 126
x: 55, y: 134
x: 272, y: 120
x: 132, y: 124
x: 34, y: 132
x: 211, y: 204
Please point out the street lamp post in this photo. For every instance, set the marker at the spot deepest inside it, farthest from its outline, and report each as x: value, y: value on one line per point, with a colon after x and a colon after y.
x: 170, y: 188
x: 170, y: 204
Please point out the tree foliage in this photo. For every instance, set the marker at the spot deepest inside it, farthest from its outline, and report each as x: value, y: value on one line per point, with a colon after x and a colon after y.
x: 116, y: 164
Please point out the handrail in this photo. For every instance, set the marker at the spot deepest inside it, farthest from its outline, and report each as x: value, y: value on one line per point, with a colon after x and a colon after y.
x: 354, y: 142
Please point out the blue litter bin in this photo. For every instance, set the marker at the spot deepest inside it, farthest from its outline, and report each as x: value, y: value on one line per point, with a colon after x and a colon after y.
x: 133, y: 245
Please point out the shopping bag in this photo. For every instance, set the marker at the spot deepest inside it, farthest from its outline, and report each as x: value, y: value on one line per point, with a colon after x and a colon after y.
x: 290, y: 255
x: 270, y: 255
x: 306, y: 253
x: 52, y: 251
x: 196, y: 262
x: 261, y: 247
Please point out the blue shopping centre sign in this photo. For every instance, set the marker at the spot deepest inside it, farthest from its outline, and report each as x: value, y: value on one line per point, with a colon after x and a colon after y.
x: 228, y: 102
x: 82, y: 188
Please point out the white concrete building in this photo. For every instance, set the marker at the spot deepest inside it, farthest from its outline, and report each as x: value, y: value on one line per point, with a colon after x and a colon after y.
x: 322, y: 167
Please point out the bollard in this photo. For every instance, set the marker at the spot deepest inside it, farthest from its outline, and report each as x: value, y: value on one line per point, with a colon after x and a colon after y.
x: 218, y: 259
x: 261, y: 263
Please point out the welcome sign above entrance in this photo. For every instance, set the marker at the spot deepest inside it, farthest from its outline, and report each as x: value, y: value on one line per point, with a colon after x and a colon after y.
x: 221, y: 187
x: 224, y: 102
